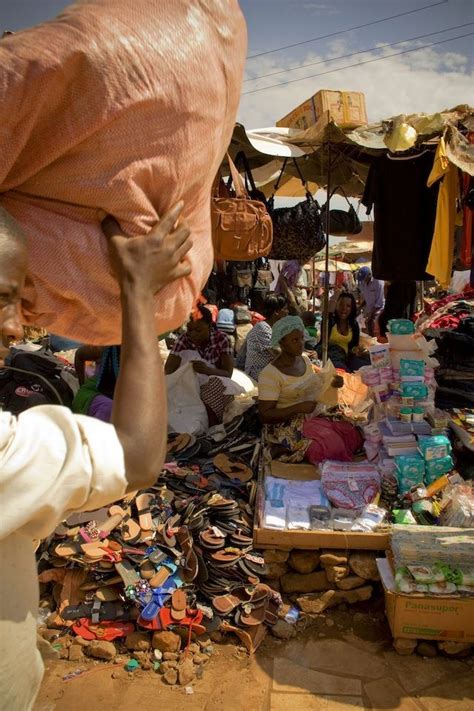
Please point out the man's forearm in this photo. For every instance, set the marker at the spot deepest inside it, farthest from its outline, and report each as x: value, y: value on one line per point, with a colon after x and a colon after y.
x: 139, y: 412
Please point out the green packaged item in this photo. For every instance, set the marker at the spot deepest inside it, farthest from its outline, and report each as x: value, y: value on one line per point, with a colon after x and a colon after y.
x: 412, y: 368
x: 426, y: 575
x: 435, y: 447
x: 403, y: 516
x: 435, y: 468
x: 401, y: 326
x: 418, y: 391
x: 410, y: 471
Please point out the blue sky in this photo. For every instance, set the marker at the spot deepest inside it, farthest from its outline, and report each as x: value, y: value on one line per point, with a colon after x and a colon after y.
x: 427, y: 80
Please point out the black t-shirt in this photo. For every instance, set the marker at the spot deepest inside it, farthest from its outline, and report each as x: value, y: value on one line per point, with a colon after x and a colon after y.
x: 404, y: 215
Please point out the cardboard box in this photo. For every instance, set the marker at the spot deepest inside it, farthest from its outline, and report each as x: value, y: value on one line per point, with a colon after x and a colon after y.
x: 346, y: 108
x: 448, y: 619
x: 309, y: 540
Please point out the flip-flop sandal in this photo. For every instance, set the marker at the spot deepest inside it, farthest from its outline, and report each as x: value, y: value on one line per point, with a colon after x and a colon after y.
x: 226, y: 557
x: 178, y: 442
x: 225, y: 604
x: 157, y: 556
x: 91, y: 533
x: 107, y: 631
x: 212, y: 538
x: 203, y: 573
x: 233, y: 425
x: 233, y: 468
x: 94, y: 585
x: 152, y: 625
x: 178, y: 605
x: 158, y: 600
x: 130, y: 531
x: 167, y: 531
x: 97, y: 611
x: 191, y: 564
x: 65, y: 550
x: 147, y: 569
x: 271, y: 613
x: 253, y: 565
x: 83, y: 517
x: 241, y: 540
x: 127, y: 572
x: 193, y: 619
x: 251, y: 615
x: 142, y: 503
x: 167, y: 569
x: 107, y: 594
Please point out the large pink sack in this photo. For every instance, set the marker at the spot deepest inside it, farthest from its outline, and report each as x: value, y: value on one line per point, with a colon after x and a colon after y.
x: 126, y: 106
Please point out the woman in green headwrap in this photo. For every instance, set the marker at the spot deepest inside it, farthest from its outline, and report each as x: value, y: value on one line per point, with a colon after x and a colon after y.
x: 289, y: 388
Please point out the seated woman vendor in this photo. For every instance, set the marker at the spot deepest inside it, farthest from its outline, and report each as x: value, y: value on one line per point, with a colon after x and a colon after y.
x: 210, y: 353
x: 344, y: 349
x: 288, y: 390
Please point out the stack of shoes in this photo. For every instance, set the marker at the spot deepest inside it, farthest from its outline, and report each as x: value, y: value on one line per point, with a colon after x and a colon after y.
x: 167, y: 558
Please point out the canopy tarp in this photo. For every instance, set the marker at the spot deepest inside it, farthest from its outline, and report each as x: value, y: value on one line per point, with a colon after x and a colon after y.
x: 352, y: 151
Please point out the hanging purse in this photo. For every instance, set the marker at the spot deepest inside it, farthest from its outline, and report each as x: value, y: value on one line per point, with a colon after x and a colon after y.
x: 297, y: 231
x: 241, y: 228
x: 340, y: 221
x: 242, y: 165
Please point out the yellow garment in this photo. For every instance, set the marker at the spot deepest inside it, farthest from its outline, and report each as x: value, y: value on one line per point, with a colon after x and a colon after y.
x: 440, y: 261
x: 337, y: 339
x: 289, y: 390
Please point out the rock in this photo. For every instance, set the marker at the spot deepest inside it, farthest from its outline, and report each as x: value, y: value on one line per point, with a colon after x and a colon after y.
x: 80, y: 640
x: 314, y: 582
x: 276, y: 570
x: 99, y: 649
x: 146, y: 665
x: 333, y: 558
x: 363, y: 564
x: 329, y: 622
x: 200, y: 659
x: 166, y: 641
x: 194, y: 648
x: 204, y: 641
x: 274, y: 556
x: 76, y: 653
x: 359, y: 617
x: 314, y: 604
x: 137, y: 641
x: 283, y: 630
x: 427, y: 649
x: 186, y: 672
x: 455, y: 649
x: 216, y: 636
x: 283, y: 610
x: 118, y: 674
x: 64, y: 653
x: 304, y: 562
x: 404, y: 647
x: 141, y: 657
x: 170, y: 656
x: 158, y: 655
x: 349, y: 583
x: 167, y: 666
x: 49, y: 635
x: 353, y: 596
x: 336, y: 573
x: 171, y: 677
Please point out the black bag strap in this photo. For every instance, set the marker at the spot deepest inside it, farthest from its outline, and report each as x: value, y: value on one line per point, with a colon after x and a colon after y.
x: 304, y: 182
x: 242, y: 161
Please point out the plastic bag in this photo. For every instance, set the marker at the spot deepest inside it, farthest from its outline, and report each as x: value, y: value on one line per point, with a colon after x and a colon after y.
x: 186, y: 411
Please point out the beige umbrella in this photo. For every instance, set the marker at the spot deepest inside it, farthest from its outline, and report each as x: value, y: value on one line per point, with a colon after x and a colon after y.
x: 333, y: 266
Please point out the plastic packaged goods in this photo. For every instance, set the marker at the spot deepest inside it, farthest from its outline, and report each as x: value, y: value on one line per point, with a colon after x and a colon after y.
x: 350, y: 485
x: 410, y: 471
x: 370, y: 375
x: 370, y: 518
x: 380, y: 355
x: 406, y: 414
x: 418, y: 414
x: 427, y: 545
x: 436, y: 468
x: 458, y: 506
x: 412, y: 368
x: 435, y: 447
x: 401, y: 326
x: 418, y: 391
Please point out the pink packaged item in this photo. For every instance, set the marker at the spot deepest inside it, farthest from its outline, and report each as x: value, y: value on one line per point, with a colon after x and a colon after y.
x: 350, y: 485
x: 386, y: 374
x: 370, y: 375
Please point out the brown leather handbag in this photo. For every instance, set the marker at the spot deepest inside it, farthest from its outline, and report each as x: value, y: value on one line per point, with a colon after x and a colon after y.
x: 242, y: 229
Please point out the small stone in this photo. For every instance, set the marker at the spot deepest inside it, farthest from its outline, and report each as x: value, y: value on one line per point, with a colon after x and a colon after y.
x: 283, y: 630
x: 209, y: 650
x: 427, y: 649
x: 194, y: 648
x: 314, y: 582
x: 216, y: 636
x: 276, y: 570
x: 314, y: 604
x: 49, y: 635
x: 329, y: 622
x: 363, y: 564
x: 99, y: 649
x: 166, y: 666
x: 204, y: 641
x: 166, y: 641
x: 349, y: 583
x: 352, y: 596
x: 171, y: 677
x: 333, y: 558
x: 170, y: 656
x: 200, y: 659
x: 186, y: 672
x: 199, y: 671
x: 304, y: 562
x: 137, y: 641
x: 140, y: 657
x: 455, y: 649
x: 274, y: 556
x: 117, y: 674
x: 336, y: 573
x: 146, y: 665
x: 80, y: 640
x: 64, y: 653
x: 404, y: 647
x: 158, y: 655
x: 75, y: 653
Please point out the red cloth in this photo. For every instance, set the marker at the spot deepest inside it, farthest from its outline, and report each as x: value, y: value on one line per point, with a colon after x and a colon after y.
x: 331, y: 439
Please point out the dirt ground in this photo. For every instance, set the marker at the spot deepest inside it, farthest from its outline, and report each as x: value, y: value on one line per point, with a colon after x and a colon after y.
x: 342, y: 661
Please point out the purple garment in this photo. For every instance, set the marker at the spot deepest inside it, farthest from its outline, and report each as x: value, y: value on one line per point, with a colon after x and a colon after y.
x: 373, y: 295
x: 101, y: 408
x: 290, y: 271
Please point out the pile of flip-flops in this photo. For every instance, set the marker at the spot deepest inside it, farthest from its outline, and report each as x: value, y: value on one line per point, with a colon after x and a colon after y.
x: 178, y: 555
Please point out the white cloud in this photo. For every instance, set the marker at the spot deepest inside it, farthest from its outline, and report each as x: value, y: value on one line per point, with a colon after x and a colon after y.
x: 428, y: 80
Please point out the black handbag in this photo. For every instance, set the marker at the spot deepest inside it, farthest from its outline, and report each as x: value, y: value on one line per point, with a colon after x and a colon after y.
x: 340, y: 221
x: 297, y: 231
x: 242, y: 165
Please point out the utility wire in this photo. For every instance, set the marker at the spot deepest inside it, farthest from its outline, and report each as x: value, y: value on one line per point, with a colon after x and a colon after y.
x: 358, y: 64
x: 349, y: 29
x: 361, y: 51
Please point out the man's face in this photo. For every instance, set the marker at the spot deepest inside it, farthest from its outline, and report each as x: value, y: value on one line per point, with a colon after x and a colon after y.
x: 12, y: 278
x: 368, y: 278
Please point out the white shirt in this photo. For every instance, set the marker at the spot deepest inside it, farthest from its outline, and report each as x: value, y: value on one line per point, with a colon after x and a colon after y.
x: 51, y: 464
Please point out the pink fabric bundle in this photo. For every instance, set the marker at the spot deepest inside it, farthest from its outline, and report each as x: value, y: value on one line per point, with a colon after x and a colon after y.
x: 125, y: 107
x: 331, y: 439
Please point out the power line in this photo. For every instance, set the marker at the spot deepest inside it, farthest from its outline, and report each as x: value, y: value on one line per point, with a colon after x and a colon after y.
x: 349, y: 29
x: 358, y: 64
x: 353, y: 54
